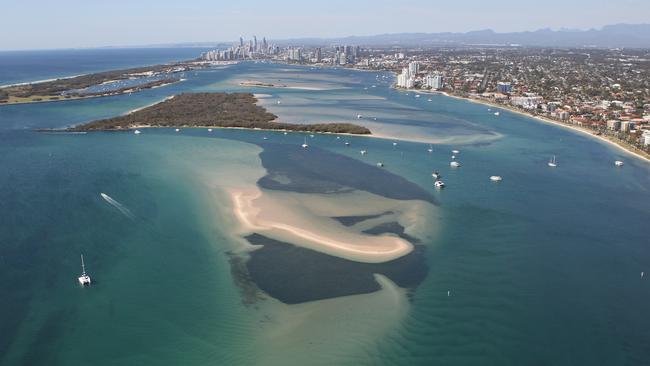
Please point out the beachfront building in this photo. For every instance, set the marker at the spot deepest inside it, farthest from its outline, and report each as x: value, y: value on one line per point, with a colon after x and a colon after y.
x: 504, y: 87
x: 528, y: 101
x: 414, y: 68
x: 613, y: 125
x: 406, y: 79
x: 434, y: 81
x: 646, y: 138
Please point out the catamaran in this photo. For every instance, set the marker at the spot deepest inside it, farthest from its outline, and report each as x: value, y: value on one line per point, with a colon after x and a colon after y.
x: 84, y: 279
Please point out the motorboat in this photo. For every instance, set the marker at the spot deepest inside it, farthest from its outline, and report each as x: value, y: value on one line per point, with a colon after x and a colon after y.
x: 380, y: 164
x: 439, y: 184
x: 496, y: 178
x: 137, y: 132
x: 454, y: 164
x: 436, y: 174
x: 304, y: 144
x: 618, y: 163
x: 363, y: 152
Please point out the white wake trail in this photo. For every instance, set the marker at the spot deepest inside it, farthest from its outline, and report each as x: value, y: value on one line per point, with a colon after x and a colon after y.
x: 118, y: 206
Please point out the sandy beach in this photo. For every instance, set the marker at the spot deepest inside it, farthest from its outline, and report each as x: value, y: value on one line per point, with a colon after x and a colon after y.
x: 306, y: 220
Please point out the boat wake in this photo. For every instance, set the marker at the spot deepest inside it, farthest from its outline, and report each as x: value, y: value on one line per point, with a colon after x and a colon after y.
x: 125, y: 211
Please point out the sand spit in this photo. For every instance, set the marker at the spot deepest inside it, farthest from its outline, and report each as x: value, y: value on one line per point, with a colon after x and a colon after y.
x: 306, y: 220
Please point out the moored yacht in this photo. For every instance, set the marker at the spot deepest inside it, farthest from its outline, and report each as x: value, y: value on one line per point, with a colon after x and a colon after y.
x: 436, y: 174
x: 454, y: 164
x: 552, y: 163
x: 304, y: 144
x: 137, y: 132
x: 618, y: 163
x: 496, y: 178
x: 439, y: 184
x: 363, y: 152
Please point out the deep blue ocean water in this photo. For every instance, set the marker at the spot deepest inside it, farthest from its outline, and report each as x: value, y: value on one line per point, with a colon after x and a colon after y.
x: 543, y: 267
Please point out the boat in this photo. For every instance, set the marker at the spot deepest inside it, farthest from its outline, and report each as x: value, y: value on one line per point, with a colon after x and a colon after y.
x: 84, y: 279
x: 304, y: 144
x: 429, y: 100
x: 178, y: 129
x: 363, y: 152
x: 439, y: 184
x: 497, y: 114
x: 394, y: 143
x: 137, y: 132
x: 454, y: 164
x: 209, y: 130
x: 359, y: 116
x: 380, y: 164
x: 453, y: 156
x: 430, y: 149
x: 618, y: 163
x: 286, y: 133
x: 265, y: 138
x: 496, y: 178
x: 552, y: 163
x: 279, y: 102
x: 455, y: 152
x: 436, y: 174
x: 417, y: 95
x: 312, y: 136
x: 347, y: 143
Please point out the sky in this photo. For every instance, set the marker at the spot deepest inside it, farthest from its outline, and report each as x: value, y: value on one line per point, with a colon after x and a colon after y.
x: 47, y: 24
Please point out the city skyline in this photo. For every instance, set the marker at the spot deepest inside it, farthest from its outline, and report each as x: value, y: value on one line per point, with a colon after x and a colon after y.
x: 149, y: 23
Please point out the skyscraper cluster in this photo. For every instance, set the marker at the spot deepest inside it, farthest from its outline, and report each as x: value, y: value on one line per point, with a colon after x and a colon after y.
x: 347, y: 54
x: 243, y: 50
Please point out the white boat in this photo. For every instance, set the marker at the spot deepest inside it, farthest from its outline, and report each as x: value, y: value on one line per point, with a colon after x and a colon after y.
x: 417, y: 95
x: 496, y: 178
x: 455, y: 152
x: 436, y: 174
x: 347, y: 143
x: 497, y: 114
x: 363, y: 152
x: 84, y: 279
x: 209, y: 130
x: 286, y: 133
x: 454, y: 164
x: 304, y: 144
x: 429, y: 100
x: 312, y: 136
x: 137, y: 132
x: 439, y: 184
x: 380, y: 164
x: 430, y: 149
x: 394, y: 143
x: 178, y: 129
x: 265, y: 138
x: 359, y: 116
x: 552, y: 163
x: 279, y: 102
x: 453, y: 156
x: 618, y: 163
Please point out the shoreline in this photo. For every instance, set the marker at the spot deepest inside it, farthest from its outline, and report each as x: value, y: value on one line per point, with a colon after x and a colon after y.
x: 546, y: 120
x: 582, y: 130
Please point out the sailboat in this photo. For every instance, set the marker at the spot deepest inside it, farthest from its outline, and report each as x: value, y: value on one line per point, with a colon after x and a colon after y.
x: 84, y: 279
x: 430, y: 149
x: 304, y: 144
x: 552, y: 162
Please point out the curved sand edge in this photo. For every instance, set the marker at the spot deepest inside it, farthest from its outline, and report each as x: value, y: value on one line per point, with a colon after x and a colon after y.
x: 305, y: 220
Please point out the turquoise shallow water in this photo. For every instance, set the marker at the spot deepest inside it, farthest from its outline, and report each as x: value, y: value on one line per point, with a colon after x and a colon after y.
x: 542, y: 268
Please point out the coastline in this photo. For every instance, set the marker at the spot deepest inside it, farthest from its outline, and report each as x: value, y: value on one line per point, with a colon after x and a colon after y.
x: 582, y: 130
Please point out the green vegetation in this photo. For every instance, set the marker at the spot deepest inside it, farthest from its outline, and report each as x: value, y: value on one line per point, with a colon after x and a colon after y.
x: 26, y: 93
x: 211, y: 110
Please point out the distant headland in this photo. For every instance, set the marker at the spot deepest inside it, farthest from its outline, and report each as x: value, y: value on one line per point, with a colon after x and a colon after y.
x: 227, y: 110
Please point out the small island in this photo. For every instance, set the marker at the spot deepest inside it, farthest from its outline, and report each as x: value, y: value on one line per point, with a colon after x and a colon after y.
x: 228, y: 110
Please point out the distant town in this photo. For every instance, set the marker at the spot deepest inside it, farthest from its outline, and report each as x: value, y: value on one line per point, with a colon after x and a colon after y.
x: 605, y: 91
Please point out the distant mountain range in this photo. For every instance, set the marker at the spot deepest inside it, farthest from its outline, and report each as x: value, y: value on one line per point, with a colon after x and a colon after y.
x: 619, y: 35
x: 610, y: 36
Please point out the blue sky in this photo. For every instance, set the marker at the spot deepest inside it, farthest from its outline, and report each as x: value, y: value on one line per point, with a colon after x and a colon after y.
x: 90, y: 23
